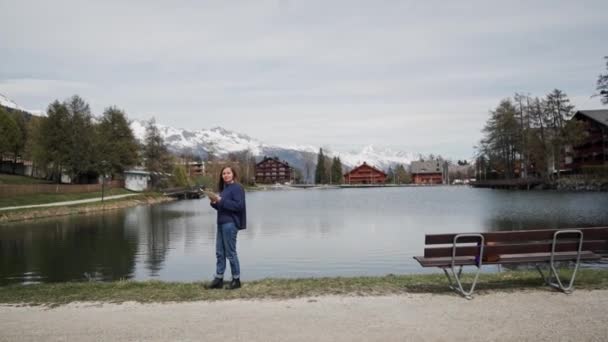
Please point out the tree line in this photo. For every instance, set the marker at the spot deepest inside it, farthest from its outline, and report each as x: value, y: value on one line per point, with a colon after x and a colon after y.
x: 527, y: 136
x: 70, y: 140
x: 328, y: 170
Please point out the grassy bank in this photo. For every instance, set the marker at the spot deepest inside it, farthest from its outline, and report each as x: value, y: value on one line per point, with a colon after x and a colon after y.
x: 156, y: 291
x: 84, y: 208
x: 16, y: 179
x: 31, y: 199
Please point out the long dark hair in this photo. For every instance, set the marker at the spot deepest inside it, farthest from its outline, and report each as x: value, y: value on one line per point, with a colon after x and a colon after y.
x: 221, y: 184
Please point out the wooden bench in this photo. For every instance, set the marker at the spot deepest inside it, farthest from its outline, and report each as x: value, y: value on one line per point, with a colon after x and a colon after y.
x: 547, y: 246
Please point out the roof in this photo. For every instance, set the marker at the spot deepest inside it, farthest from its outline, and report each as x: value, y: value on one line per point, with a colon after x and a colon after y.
x: 598, y: 115
x: 364, y: 165
x: 276, y: 159
x: 431, y: 166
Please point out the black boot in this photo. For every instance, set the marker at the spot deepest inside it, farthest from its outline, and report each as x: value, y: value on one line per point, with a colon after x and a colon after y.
x: 217, y: 283
x: 234, y: 284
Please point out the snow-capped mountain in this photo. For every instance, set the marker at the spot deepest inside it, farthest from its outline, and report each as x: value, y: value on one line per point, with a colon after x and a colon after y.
x: 220, y: 141
x: 216, y: 140
x: 8, y: 103
x: 381, y: 158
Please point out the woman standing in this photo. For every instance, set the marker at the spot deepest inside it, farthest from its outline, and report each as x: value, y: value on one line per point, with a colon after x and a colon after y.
x: 231, y: 217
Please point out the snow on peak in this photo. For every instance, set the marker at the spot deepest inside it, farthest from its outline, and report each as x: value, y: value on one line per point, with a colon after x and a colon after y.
x: 216, y: 140
x: 6, y: 102
x: 221, y: 141
x: 380, y: 157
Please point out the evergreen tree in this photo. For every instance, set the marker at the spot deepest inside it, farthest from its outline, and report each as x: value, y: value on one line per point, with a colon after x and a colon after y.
x: 502, y: 138
x: 157, y: 158
x: 81, y: 156
x: 52, y: 143
x: 336, y: 171
x: 33, y: 147
x: 602, y: 85
x: 401, y: 175
x: 116, y: 143
x: 19, y: 146
x: 179, y: 176
x: 10, y: 133
x: 558, y: 112
x: 390, y: 175
x: 320, y: 177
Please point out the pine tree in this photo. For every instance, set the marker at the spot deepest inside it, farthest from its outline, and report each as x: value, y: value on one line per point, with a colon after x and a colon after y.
x: 51, y: 144
x: 403, y: 177
x: 558, y: 112
x: 390, y: 175
x: 602, y: 85
x: 116, y: 143
x: 336, y: 171
x: 10, y: 134
x: 157, y: 158
x: 81, y: 152
x: 320, y: 170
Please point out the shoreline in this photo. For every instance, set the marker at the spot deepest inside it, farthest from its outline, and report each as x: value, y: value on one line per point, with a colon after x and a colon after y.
x: 161, y: 292
x: 81, y: 209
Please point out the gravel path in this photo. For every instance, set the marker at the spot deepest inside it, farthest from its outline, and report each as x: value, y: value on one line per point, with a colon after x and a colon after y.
x: 517, y: 316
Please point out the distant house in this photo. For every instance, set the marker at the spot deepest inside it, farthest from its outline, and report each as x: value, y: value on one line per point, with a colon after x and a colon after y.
x: 365, y: 174
x: 273, y: 170
x: 428, y: 172
x: 137, y: 180
x: 593, y: 151
x: 193, y: 168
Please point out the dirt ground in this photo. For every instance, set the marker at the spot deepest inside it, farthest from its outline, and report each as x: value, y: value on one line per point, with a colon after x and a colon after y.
x: 499, y: 316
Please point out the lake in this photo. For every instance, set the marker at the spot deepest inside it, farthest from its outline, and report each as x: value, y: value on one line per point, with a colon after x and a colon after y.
x: 291, y: 233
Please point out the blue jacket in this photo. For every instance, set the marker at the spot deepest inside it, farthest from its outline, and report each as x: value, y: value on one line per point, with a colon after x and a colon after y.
x: 231, y: 208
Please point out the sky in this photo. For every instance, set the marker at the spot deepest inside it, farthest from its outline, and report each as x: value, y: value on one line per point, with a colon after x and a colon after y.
x: 417, y: 76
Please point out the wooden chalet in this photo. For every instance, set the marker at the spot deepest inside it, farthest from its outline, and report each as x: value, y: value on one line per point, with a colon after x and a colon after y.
x: 593, y: 151
x: 427, y: 172
x: 365, y: 174
x: 273, y: 170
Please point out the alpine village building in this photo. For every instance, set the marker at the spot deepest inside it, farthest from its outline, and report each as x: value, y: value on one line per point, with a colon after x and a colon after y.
x: 427, y: 172
x: 273, y: 170
x: 593, y: 151
x: 365, y: 174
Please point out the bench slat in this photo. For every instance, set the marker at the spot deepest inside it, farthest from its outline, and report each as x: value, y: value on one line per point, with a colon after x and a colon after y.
x: 521, y: 248
x: 594, y: 233
x: 507, y: 259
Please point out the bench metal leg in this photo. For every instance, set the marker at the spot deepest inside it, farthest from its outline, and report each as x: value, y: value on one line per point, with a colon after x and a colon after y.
x: 456, y: 284
x: 557, y: 284
x: 467, y: 294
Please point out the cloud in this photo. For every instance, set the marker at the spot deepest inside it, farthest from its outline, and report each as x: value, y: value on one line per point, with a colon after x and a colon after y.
x: 389, y: 72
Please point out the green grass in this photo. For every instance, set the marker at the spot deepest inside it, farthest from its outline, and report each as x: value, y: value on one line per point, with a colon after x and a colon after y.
x: 32, y: 199
x: 7, y: 216
x: 15, y: 179
x: 157, y: 291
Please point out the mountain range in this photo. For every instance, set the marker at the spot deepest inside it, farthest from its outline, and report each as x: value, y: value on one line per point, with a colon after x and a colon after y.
x: 220, y: 142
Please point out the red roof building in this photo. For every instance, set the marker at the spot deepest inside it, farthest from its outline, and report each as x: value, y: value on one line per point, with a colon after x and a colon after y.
x: 365, y: 174
x: 428, y: 172
x: 273, y: 170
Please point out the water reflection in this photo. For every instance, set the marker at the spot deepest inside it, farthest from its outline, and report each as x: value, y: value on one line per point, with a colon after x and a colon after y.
x: 90, y: 247
x: 303, y: 233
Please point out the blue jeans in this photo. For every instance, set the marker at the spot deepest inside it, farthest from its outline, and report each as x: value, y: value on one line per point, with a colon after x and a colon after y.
x: 225, y: 248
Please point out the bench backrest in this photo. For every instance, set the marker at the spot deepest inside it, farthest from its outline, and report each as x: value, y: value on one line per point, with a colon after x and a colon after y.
x: 518, y: 242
